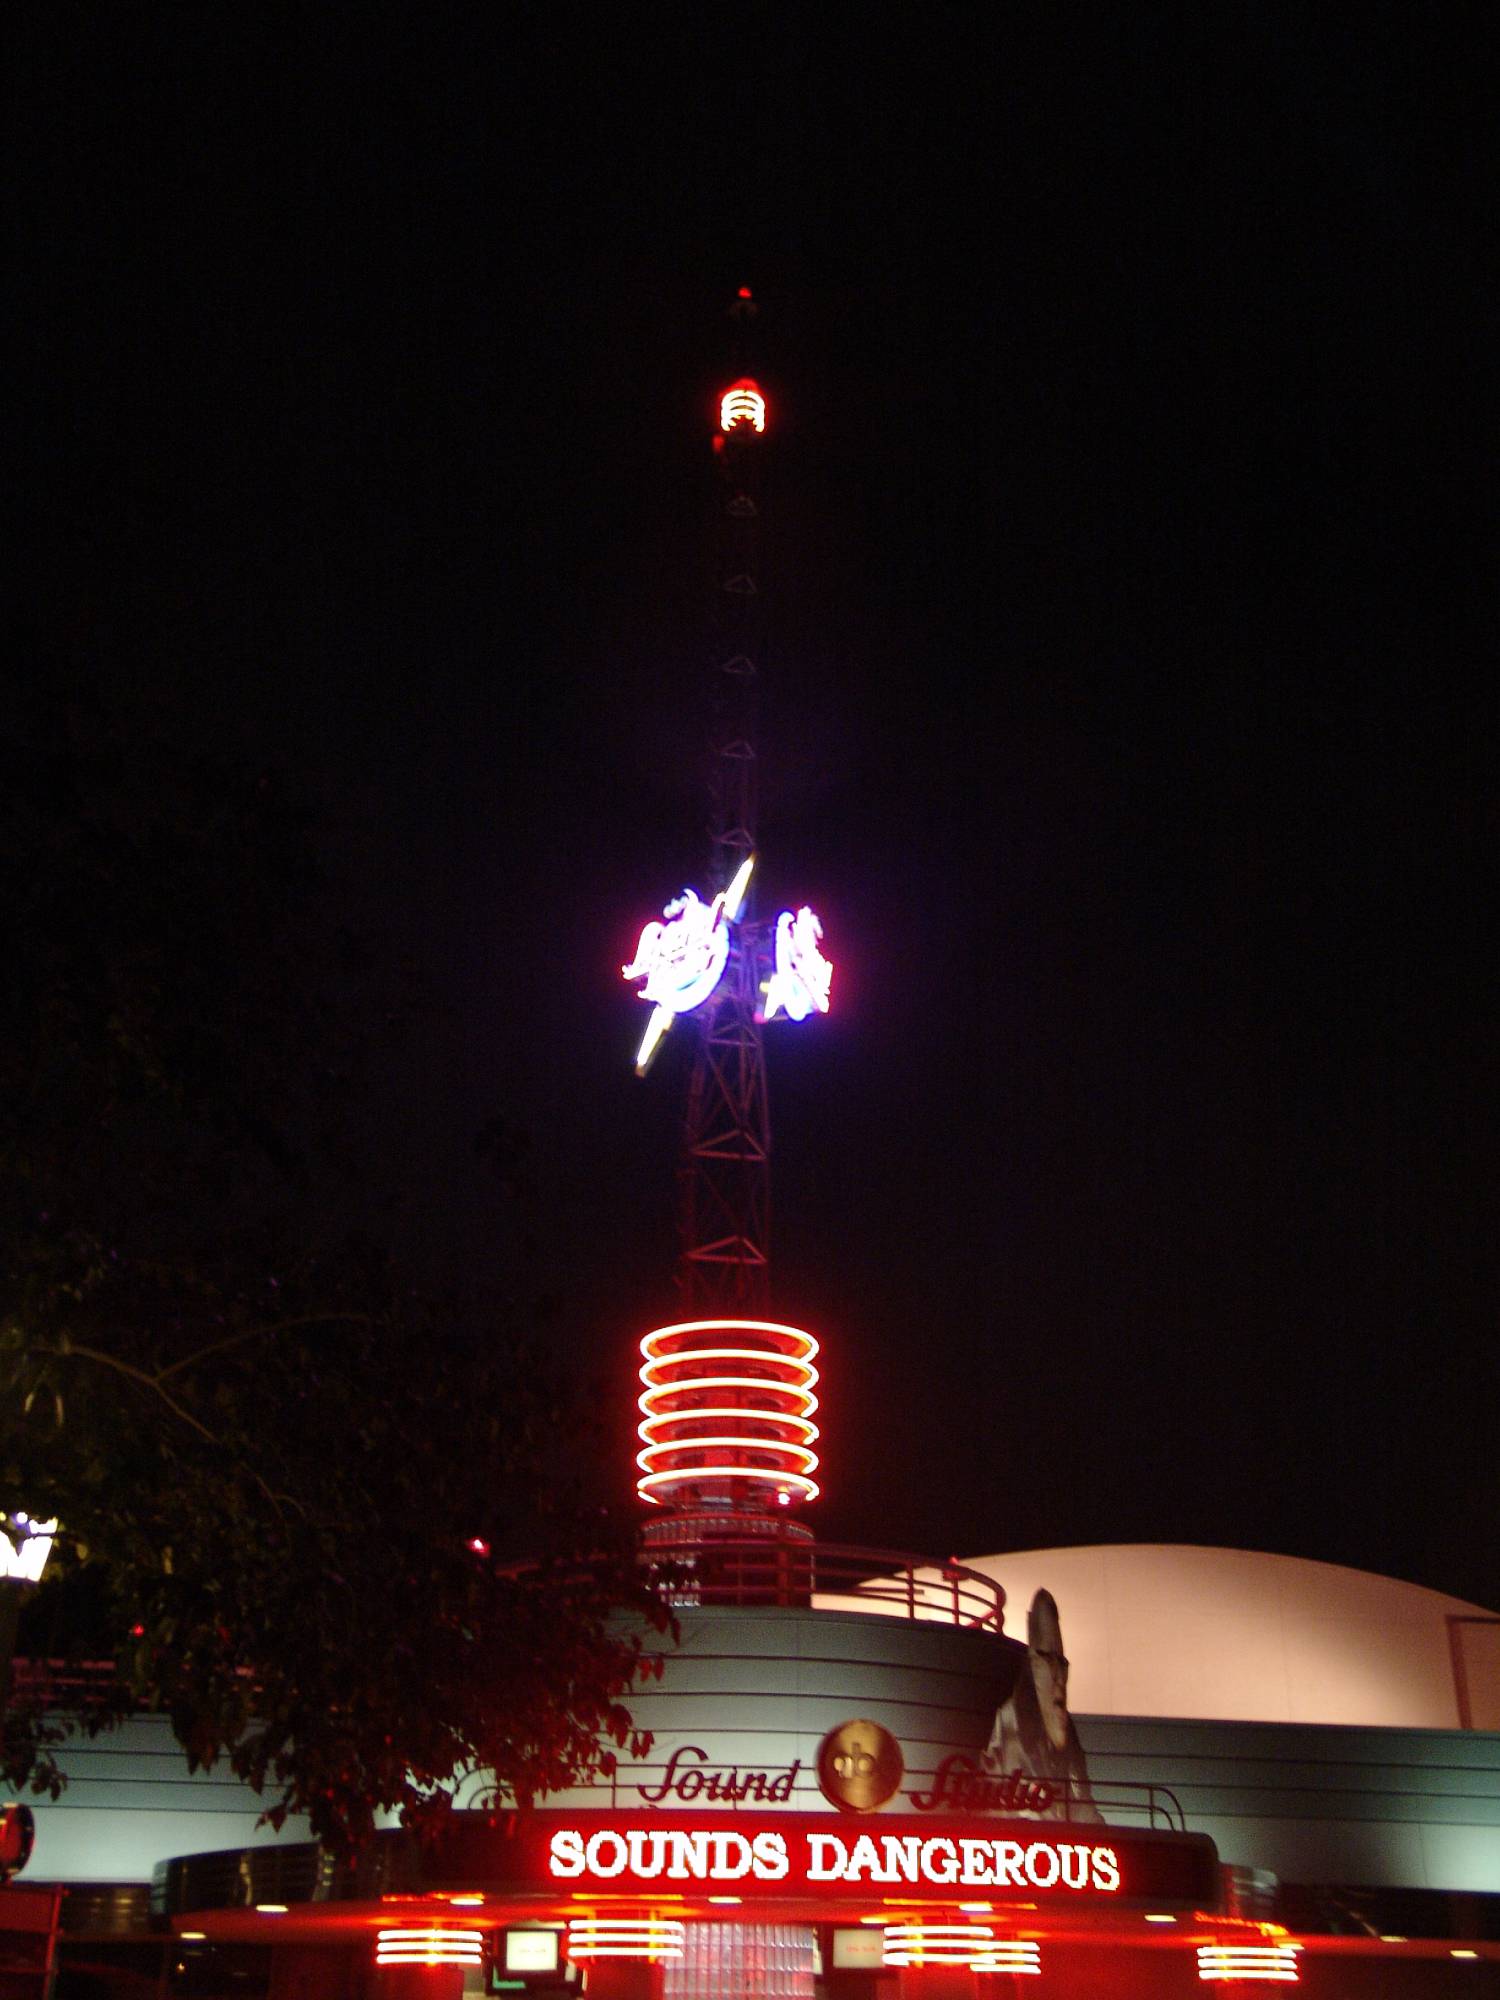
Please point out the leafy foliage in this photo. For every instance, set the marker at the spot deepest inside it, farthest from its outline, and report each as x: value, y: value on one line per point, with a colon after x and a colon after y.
x: 293, y: 1484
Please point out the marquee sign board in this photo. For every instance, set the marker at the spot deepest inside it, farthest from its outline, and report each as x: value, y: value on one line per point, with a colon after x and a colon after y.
x: 826, y: 1857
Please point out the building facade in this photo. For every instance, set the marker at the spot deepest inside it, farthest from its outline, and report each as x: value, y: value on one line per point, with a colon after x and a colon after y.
x: 869, y: 1781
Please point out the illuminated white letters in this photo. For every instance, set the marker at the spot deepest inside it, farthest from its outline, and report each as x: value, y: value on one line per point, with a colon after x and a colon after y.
x: 594, y: 1854
x: 722, y: 1854
x: 644, y: 1859
x: 1007, y: 1864
x: 976, y: 1861
x: 826, y: 1857
x: 725, y: 1844
x: 1075, y: 1867
x: 772, y: 1863
x: 864, y: 1863
x: 930, y: 1852
x: 1041, y: 1864
x: 903, y: 1857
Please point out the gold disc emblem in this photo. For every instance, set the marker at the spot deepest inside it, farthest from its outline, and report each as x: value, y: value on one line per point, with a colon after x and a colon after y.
x: 859, y: 1766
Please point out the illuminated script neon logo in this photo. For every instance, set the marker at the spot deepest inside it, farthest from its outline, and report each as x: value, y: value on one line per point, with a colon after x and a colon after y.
x: 803, y: 977
x: 682, y: 960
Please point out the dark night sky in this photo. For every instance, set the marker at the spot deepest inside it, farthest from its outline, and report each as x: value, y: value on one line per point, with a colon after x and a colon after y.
x: 1133, y: 427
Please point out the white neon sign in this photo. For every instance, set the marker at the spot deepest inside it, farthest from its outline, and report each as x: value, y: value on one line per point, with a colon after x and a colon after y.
x: 802, y: 979
x: 24, y: 1547
x: 680, y: 1855
x: 681, y: 961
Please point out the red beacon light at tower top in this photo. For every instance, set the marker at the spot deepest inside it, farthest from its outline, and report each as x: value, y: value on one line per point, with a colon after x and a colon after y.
x: 742, y: 403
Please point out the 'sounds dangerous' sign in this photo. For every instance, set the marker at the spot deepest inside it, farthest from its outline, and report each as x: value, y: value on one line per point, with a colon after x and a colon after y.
x: 831, y: 1858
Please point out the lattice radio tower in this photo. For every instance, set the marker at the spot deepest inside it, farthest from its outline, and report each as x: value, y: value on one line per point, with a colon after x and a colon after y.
x: 724, y: 1176
x: 727, y: 1406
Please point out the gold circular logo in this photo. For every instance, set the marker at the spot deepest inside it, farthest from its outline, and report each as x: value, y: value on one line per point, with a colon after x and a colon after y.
x: 859, y: 1766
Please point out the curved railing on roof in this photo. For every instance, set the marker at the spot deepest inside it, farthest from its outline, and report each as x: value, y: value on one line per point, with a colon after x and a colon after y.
x: 746, y: 1570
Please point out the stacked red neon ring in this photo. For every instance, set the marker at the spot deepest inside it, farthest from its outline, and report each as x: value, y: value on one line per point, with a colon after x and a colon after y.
x: 727, y: 1413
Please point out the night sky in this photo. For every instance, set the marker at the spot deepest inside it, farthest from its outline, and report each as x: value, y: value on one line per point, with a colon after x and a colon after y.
x: 1133, y: 415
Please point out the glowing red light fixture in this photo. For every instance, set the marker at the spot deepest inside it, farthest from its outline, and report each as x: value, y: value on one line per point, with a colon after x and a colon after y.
x: 727, y: 1412
x: 429, y: 1946
x: 742, y: 403
x: 626, y: 1937
x: 971, y: 1946
x: 1245, y: 1964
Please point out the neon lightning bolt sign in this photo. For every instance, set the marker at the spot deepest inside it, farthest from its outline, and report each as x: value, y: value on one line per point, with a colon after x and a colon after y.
x: 681, y: 961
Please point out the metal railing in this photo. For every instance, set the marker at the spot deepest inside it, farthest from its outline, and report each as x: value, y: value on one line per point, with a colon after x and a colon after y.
x: 824, y: 1576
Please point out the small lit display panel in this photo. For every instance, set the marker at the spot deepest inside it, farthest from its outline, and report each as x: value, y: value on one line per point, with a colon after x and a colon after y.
x: 530, y: 1951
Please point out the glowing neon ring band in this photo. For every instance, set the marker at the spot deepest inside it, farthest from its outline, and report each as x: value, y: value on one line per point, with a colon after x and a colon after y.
x: 742, y: 403
x: 654, y: 1484
x: 775, y: 1448
x: 795, y: 1393
x: 646, y: 1430
x: 760, y: 1414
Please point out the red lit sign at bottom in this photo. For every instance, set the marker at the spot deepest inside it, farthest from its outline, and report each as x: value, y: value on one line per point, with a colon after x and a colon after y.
x: 821, y: 1858
x: 656, y: 1854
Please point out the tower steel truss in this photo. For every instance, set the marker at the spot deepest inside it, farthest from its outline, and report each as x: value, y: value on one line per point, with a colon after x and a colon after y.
x: 724, y: 1191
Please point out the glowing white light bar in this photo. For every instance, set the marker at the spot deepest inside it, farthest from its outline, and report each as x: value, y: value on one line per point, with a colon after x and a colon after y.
x: 974, y: 1946
x: 739, y: 888
x: 656, y: 1027
x: 1012, y: 1955
x: 626, y: 1937
x: 429, y: 1945
x: 703, y: 1425
x: 24, y: 1547
x: 742, y: 403
x: 803, y: 978
x: 1268, y: 1964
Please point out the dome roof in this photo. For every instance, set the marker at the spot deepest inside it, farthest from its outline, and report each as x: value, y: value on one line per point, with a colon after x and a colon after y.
x: 1235, y: 1635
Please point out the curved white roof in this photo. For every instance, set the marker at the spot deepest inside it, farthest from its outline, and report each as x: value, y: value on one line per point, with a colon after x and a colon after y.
x: 1233, y: 1635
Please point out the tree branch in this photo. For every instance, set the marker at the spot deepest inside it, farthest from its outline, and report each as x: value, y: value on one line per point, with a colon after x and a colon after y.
x: 153, y: 1382
x: 257, y: 1333
x: 136, y: 1375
